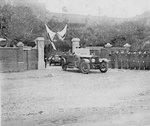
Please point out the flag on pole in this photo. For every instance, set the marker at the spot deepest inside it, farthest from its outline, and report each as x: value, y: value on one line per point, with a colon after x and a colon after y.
x: 51, y: 36
x: 53, y: 45
x: 62, y: 33
x: 51, y: 33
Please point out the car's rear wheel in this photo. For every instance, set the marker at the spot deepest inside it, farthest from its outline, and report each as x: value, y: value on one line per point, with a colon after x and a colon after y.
x: 64, y: 67
x: 63, y: 64
x: 50, y: 63
x: 85, y: 67
x: 103, y: 67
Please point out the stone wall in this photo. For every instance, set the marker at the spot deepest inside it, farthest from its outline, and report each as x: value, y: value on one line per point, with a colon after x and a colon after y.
x: 17, y: 59
x: 9, y: 59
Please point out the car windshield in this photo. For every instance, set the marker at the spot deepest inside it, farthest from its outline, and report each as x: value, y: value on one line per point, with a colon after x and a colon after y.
x: 56, y: 56
x: 82, y: 52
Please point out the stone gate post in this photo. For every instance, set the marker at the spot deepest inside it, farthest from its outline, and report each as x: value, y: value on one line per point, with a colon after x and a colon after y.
x: 75, y: 44
x: 20, y: 58
x: 40, y: 47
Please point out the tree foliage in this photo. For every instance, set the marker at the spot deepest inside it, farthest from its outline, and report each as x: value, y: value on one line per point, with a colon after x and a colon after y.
x: 19, y: 23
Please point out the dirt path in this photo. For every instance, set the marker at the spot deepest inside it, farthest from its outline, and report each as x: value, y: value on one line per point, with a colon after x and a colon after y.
x: 54, y: 97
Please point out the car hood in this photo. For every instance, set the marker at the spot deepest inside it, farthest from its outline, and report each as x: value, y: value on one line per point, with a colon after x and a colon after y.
x: 85, y: 56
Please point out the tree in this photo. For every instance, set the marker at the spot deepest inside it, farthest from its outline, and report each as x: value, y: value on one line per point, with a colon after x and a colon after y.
x: 19, y: 24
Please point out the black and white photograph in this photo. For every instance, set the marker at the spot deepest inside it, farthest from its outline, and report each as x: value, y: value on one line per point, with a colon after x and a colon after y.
x: 74, y: 62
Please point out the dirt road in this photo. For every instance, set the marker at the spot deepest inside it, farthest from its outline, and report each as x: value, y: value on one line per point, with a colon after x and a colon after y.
x: 53, y: 97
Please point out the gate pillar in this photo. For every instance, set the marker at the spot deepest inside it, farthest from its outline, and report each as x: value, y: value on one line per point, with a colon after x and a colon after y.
x: 40, y: 47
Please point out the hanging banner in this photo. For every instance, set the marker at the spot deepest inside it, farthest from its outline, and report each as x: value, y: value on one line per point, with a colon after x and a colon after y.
x: 51, y: 36
x: 51, y: 33
x: 53, y: 45
x: 62, y: 34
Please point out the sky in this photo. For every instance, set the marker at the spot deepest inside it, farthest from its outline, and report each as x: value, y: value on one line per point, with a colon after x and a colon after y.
x: 111, y: 8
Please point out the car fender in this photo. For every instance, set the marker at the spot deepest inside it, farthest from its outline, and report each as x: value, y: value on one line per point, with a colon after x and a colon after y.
x: 64, y: 60
x: 87, y: 60
x: 103, y: 60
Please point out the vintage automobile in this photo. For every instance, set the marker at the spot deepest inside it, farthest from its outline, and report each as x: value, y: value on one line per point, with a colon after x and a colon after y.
x: 84, y: 62
x: 55, y: 59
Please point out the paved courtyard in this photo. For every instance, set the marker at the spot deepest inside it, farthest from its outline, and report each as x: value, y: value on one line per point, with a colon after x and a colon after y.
x: 53, y: 97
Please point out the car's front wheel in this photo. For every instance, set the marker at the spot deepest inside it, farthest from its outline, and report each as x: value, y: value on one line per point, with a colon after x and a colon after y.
x: 103, y: 67
x: 85, y: 67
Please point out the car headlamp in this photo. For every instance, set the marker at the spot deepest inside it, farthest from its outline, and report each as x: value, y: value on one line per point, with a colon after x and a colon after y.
x: 100, y: 60
x: 93, y: 60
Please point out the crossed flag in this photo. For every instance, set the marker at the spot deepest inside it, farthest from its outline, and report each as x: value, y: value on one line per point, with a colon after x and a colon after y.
x: 61, y: 35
